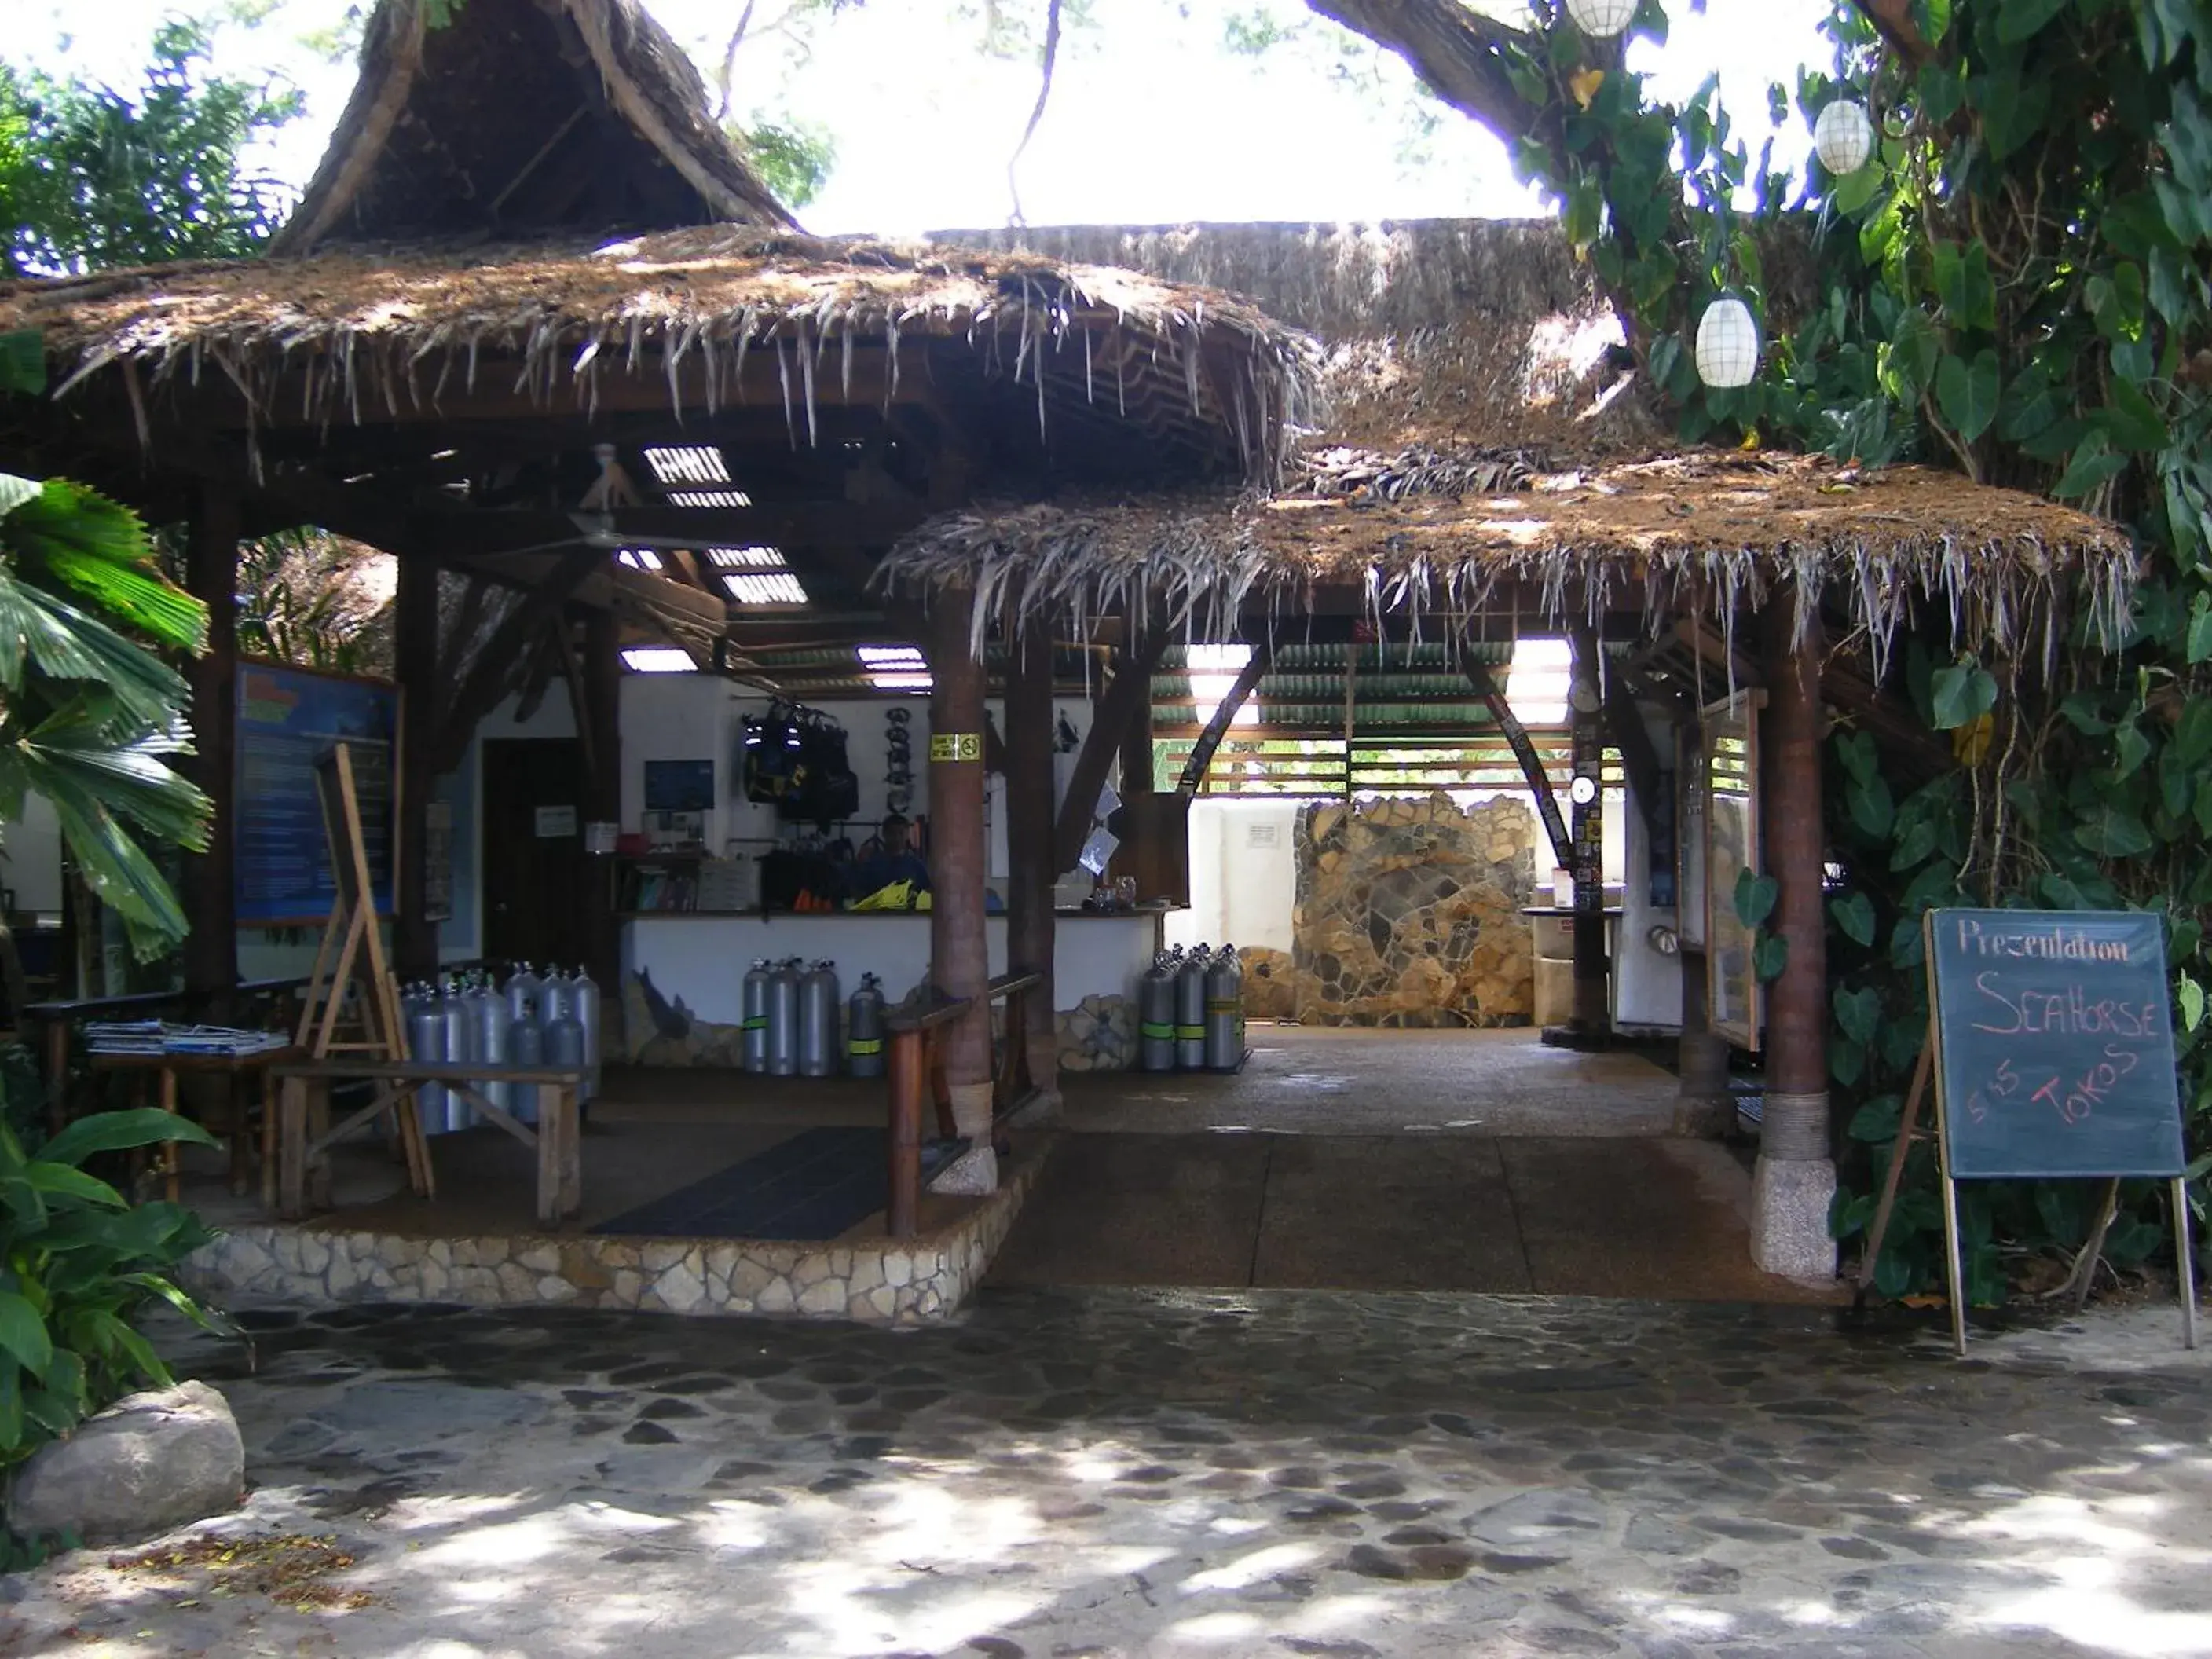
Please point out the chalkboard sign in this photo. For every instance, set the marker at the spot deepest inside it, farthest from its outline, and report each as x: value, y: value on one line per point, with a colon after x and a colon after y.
x: 288, y: 719
x: 2054, y: 1047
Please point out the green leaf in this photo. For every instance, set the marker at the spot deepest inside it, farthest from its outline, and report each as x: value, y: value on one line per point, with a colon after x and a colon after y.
x: 2020, y: 19
x: 1967, y: 393
x: 23, y: 1333
x: 1853, y: 914
x: 2094, y: 461
x: 2113, y: 832
x: 1754, y: 898
x: 116, y: 1132
x: 22, y: 362
x: 2193, y: 733
x: 1859, y: 1013
x: 1962, y: 694
x: 1914, y: 846
x: 2132, y: 747
x: 2199, y: 644
x: 1872, y: 808
x: 2191, y: 995
x: 62, y: 1180
x: 1877, y: 1120
x: 1769, y: 956
x: 2130, y: 421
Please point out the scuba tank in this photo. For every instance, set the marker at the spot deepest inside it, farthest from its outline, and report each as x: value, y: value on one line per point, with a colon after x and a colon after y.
x: 584, y: 992
x: 783, y: 1019
x: 525, y: 1046
x: 754, y: 1012
x: 817, y: 1021
x: 1224, y: 1013
x: 426, y: 1040
x: 864, y: 1029
x: 1156, y: 1014
x: 564, y: 1032
x: 1190, y: 1011
x: 553, y: 997
x: 460, y: 1048
x: 523, y: 990
x: 488, y: 1012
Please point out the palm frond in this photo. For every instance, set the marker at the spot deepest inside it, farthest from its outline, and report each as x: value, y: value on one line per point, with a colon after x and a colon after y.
x: 77, y: 539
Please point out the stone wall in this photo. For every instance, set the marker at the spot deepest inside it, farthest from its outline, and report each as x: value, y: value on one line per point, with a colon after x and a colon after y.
x: 1098, y: 1035
x: 1409, y: 914
x: 879, y: 1281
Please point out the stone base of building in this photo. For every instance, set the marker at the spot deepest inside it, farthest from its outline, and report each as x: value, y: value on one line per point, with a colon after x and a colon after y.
x: 1789, y: 1203
x: 878, y: 1280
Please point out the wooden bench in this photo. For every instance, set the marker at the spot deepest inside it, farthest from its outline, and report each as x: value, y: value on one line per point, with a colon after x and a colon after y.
x: 307, y: 1134
x: 917, y: 1074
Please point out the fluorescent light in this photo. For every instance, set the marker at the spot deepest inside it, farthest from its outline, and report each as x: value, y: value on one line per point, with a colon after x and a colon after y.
x: 747, y: 558
x: 708, y: 498
x: 1213, y: 670
x: 776, y: 587
x: 1537, y: 683
x: 905, y: 682
x: 659, y: 659
x: 639, y: 558
x: 691, y: 464
x: 890, y: 656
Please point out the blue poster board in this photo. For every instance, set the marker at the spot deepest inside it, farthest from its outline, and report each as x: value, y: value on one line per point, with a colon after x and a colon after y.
x: 287, y: 719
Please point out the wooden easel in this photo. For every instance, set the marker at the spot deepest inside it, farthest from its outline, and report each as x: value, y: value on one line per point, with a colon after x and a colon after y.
x: 351, y: 936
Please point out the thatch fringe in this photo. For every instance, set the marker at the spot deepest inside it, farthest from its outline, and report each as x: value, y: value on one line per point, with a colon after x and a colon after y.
x: 1715, y: 535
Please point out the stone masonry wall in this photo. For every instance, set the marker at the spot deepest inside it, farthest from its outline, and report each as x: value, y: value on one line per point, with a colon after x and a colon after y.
x: 1409, y: 914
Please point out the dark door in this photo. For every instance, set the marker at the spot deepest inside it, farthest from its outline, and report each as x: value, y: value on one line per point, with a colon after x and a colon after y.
x: 537, y: 881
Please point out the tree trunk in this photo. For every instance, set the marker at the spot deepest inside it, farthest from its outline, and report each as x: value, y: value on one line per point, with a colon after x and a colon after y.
x: 415, y: 653
x: 1030, y: 926
x: 208, y: 881
x: 958, y: 948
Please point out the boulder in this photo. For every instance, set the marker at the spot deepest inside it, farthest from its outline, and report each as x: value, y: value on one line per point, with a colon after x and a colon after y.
x: 149, y: 1462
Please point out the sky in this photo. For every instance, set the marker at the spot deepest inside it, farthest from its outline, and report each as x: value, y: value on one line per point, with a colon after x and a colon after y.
x: 1152, y: 120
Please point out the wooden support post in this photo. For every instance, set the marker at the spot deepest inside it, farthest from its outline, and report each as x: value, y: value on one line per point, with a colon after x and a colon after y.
x: 909, y: 1082
x: 1130, y: 689
x: 1225, y: 714
x: 207, y: 884
x: 1030, y: 926
x: 414, y: 935
x: 959, y: 951
x: 1795, y: 1176
x: 1592, y: 1011
x: 600, y: 719
x: 1137, y: 753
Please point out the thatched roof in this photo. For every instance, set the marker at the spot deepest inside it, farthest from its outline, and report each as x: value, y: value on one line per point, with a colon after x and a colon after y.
x: 1707, y: 533
x: 514, y: 115
x: 358, y: 334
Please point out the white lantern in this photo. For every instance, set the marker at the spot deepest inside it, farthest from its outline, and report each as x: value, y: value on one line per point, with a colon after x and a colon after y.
x: 1727, y: 344
x: 1601, y: 19
x: 1843, y: 137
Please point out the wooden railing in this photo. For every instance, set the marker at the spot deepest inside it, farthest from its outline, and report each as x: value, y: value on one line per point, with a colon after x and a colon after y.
x: 917, y: 1075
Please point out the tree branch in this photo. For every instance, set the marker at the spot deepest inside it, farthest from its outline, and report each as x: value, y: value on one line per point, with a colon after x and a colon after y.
x: 1458, y: 53
x: 1893, y: 20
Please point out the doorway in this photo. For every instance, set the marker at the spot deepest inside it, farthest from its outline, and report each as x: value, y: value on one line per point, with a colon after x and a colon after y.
x: 538, y: 884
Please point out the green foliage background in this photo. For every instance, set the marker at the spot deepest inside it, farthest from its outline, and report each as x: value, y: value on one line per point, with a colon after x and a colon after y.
x: 2014, y: 287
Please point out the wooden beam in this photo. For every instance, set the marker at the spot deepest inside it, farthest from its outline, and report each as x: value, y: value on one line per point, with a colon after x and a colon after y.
x: 1130, y: 689
x: 1201, y: 754
x: 207, y: 883
x: 1532, y: 764
x: 414, y: 625
x: 1623, y: 722
x: 479, y: 691
x: 1029, y: 832
x: 959, y: 953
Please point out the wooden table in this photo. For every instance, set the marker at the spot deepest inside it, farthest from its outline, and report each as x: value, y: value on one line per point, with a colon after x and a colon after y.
x: 305, y: 1134
x: 170, y: 1066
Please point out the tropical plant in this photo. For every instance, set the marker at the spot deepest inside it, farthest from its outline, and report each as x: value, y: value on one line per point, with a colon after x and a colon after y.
x: 87, y: 714
x: 310, y: 598
x: 91, y: 177
x: 78, y: 1263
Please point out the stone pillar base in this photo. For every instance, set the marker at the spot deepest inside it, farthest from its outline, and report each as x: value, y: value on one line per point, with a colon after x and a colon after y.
x: 1704, y: 1117
x: 1790, y: 1201
x: 974, y: 1172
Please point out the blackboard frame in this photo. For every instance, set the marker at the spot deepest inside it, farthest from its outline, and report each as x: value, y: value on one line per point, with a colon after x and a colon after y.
x: 1951, y: 1072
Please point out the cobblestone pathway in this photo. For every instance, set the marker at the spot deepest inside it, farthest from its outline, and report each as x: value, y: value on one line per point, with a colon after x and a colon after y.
x: 1123, y: 1472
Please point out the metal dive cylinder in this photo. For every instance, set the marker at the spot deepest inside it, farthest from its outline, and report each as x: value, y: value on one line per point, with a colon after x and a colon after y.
x: 783, y: 1019
x: 1224, y: 1013
x: 460, y: 1048
x: 1156, y: 1014
x: 564, y: 1032
x: 1190, y: 1009
x: 753, y: 1010
x: 426, y: 1040
x: 585, y: 991
x: 487, y: 1008
x: 817, y: 1021
x: 525, y: 1039
x: 864, y: 1029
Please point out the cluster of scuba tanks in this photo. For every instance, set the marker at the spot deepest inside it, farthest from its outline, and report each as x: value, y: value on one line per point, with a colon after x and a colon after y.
x: 789, y: 1013
x: 1190, y: 1012
x: 533, y: 1019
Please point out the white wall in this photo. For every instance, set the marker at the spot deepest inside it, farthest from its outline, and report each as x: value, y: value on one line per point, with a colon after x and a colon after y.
x: 1243, y: 875
x: 31, y: 858
x: 1647, y: 986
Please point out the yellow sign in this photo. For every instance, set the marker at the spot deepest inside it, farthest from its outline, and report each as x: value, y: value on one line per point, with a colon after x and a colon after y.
x: 957, y: 746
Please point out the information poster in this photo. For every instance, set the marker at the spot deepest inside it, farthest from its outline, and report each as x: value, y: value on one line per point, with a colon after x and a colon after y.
x: 288, y: 719
x: 1731, y: 770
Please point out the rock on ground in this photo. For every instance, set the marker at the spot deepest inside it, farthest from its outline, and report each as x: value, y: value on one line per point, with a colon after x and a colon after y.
x: 149, y: 1462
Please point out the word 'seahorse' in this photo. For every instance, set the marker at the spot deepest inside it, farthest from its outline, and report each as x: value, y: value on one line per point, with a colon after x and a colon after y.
x: 2053, y: 1057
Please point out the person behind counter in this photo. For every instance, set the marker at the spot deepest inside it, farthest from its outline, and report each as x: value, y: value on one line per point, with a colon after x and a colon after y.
x: 891, y: 861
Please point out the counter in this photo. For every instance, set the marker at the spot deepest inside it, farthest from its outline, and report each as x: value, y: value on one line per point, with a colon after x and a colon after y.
x: 700, y: 956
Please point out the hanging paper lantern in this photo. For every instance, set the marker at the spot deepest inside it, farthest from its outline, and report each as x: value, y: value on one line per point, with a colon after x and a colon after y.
x: 1727, y: 344
x: 1601, y: 19
x: 1843, y: 137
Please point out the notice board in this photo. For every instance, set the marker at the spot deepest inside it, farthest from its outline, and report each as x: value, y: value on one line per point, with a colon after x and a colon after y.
x: 287, y: 719
x: 2054, y: 1045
